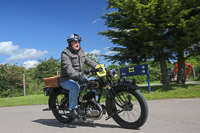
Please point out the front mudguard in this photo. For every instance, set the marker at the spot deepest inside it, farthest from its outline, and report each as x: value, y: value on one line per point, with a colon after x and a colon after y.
x: 109, y: 97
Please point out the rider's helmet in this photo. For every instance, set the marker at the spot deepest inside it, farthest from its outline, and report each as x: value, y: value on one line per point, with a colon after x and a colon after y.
x: 73, y: 37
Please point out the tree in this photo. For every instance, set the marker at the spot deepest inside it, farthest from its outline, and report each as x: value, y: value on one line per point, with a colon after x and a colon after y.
x: 144, y: 30
x: 46, y: 68
x: 93, y: 57
x: 196, y: 70
x: 10, y: 80
x: 186, y: 34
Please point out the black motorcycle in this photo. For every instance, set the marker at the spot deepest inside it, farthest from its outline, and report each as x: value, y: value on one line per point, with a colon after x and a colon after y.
x: 123, y: 101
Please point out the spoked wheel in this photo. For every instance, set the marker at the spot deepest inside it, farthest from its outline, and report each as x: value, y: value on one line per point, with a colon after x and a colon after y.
x: 59, y: 106
x: 129, y: 109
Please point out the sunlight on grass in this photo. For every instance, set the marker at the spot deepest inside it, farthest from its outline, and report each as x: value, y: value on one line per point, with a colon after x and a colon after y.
x: 172, y: 91
x: 23, y: 100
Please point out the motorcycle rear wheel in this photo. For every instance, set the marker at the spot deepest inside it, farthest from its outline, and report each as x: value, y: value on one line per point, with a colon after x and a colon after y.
x: 59, y: 106
x: 129, y: 109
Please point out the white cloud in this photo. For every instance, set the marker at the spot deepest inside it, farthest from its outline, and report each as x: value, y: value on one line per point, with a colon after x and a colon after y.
x: 103, y: 39
x: 115, y: 30
x: 106, y: 47
x: 95, y: 21
x: 30, y: 64
x: 16, y: 53
x: 23, y: 54
x: 110, y: 52
x: 7, y: 48
x: 95, y: 51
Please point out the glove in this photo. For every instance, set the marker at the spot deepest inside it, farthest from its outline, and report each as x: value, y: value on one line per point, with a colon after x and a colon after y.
x: 81, y: 80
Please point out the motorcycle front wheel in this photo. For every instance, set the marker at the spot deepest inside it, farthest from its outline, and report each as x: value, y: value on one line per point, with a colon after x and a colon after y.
x: 127, y: 107
x: 59, y: 105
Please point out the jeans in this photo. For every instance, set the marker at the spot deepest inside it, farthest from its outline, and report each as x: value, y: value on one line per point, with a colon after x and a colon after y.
x: 74, y: 90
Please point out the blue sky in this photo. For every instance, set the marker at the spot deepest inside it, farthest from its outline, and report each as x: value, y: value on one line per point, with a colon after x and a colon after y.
x: 38, y: 29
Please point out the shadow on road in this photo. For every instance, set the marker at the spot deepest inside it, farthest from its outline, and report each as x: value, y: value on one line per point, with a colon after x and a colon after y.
x: 74, y: 124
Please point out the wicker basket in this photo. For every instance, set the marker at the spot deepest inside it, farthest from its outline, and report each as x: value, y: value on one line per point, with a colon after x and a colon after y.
x: 51, y: 82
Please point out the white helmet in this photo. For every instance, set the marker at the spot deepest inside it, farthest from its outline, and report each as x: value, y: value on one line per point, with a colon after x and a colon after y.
x: 73, y: 37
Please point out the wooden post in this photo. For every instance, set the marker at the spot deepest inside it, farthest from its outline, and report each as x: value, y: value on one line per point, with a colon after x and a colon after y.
x: 24, y: 83
x: 57, y: 71
x: 193, y: 70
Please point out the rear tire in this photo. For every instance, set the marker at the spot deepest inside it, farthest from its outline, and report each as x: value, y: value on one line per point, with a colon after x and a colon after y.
x: 59, y: 105
x: 130, y: 114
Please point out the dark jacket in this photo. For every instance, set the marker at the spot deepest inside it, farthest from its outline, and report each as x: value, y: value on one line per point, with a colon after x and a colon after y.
x: 72, y: 63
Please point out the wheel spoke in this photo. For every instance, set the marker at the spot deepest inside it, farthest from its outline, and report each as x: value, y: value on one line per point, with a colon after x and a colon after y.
x: 130, y: 112
x: 133, y: 115
x: 61, y: 114
x: 124, y: 98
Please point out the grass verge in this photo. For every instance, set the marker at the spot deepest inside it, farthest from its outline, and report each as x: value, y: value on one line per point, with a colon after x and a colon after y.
x: 171, y: 91
x: 24, y: 100
x: 158, y: 92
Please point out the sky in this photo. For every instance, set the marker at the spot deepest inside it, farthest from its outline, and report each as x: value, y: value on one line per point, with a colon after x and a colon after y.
x: 37, y: 29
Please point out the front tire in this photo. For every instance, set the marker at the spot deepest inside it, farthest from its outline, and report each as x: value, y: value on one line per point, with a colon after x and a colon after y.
x: 59, y: 106
x: 129, y: 109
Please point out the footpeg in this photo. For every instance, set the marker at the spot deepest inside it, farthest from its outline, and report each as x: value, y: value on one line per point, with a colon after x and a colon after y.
x: 47, y: 109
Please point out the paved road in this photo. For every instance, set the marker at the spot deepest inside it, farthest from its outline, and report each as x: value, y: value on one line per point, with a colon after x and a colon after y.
x: 174, y: 116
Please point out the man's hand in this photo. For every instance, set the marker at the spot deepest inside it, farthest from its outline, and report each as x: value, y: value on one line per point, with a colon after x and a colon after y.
x: 82, y: 80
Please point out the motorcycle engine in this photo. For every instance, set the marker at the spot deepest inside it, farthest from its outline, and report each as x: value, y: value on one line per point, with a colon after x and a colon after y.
x: 91, y: 110
x: 92, y: 113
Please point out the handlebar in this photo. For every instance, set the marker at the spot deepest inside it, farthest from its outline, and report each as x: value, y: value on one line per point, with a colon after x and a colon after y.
x: 87, y: 71
x: 100, y: 69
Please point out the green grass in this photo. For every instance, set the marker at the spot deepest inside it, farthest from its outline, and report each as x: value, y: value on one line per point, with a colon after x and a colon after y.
x: 172, y: 91
x: 158, y: 92
x: 24, y: 100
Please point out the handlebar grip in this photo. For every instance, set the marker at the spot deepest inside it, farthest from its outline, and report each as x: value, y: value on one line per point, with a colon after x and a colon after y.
x: 87, y: 71
x: 100, y: 69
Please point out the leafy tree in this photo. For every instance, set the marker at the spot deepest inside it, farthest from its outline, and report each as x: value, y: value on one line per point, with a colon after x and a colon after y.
x: 46, y: 68
x: 195, y: 61
x: 10, y: 80
x: 93, y: 57
x: 185, y: 34
x: 147, y: 29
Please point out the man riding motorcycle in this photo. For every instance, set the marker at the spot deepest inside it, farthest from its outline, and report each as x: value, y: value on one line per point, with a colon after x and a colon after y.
x: 72, y: 60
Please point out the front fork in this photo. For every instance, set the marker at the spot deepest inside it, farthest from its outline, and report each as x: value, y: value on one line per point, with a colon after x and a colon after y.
x: 120, y: 100
x: 110, y: 93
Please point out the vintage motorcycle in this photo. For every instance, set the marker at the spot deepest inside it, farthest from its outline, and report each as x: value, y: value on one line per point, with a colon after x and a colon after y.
x: 123, y: 101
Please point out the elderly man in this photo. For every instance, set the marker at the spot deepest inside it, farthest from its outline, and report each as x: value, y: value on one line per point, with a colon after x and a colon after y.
x: 72, y: 60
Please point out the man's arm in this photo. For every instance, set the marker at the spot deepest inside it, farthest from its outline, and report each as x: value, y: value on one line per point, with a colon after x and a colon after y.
x: 90, y: 62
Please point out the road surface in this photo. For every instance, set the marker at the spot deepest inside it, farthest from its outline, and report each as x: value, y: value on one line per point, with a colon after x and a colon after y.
x: 174, y: 116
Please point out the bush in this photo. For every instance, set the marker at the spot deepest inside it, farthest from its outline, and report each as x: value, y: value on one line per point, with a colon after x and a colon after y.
x: 10, y: 80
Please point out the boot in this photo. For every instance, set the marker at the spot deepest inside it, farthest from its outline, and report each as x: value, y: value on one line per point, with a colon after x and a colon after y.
x: 73, y: 114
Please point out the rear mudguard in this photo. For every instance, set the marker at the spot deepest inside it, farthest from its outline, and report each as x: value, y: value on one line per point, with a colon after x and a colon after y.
x: 51, y: 91
x: 115, y: 87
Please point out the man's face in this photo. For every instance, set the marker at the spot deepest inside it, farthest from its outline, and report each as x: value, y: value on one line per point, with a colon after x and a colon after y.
x: 75, y: 45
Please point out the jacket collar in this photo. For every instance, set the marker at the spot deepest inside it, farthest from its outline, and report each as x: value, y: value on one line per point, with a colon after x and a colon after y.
x: 73, y: 51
